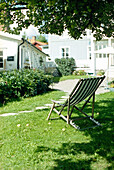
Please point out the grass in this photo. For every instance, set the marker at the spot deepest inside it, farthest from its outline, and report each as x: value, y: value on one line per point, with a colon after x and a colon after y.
x: 22, y: 104
x: 56, y: 79
x: 29, y: 141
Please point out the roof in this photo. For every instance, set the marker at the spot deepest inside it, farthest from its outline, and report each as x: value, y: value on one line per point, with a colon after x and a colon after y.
x: 38, y: 44
x: 41, y: 43
x: 34, y: 46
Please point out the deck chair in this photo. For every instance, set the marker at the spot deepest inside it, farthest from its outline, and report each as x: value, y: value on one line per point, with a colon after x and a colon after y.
x: 83, y: 91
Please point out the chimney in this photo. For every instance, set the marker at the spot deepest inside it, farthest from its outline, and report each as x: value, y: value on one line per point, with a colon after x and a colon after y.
x: 33, y: 40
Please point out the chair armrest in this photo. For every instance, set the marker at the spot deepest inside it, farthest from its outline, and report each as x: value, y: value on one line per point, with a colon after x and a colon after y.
x: 57, y: 102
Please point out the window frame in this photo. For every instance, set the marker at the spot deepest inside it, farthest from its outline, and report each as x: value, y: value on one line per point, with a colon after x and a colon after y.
x: 65, y: 51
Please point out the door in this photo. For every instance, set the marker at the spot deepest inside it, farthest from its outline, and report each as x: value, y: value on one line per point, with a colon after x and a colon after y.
x: 112, y: 60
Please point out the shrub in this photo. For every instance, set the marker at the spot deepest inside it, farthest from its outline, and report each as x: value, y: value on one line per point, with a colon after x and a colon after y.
x: 79, y: 73
x: 111, y: 83
x: 101, y: 72
x: 56, y: 73
x: 65, y: 65
x: 23, y: 82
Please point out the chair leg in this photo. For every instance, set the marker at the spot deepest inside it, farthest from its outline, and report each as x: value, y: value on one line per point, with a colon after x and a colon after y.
x: 68, y: 111
x: 51, y: 111
x: 71, y: 111
x: 93, y: 105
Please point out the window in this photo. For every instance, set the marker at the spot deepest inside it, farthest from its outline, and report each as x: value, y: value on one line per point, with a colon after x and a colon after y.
x: 1, y: 62
x: 65, y: 52
x: 1, y: 59
x: 41, y: 61
x: 89, y: 42
x: 89, y: 48
x: 104, y: 55
x: 100, y: 47
x: 90, y: 56
x: 46, y: 47
x: 100, y: 55
x: 10, y: 58
x: 96, y: 47
x: 1, y: 53
x: 104, y: 46
x: 97, y: 55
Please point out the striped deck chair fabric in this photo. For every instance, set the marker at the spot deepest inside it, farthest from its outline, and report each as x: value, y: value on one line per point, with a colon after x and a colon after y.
x: 84, y: 90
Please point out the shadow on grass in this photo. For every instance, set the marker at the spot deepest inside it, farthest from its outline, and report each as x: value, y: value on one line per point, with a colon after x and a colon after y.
x: 4, y: 103
x: 100, y: 146
x: 56, y: 79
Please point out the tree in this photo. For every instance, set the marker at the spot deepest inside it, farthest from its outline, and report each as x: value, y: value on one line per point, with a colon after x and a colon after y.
x: 41, y: 38
x: 24, y: 35
x: 54, y: 16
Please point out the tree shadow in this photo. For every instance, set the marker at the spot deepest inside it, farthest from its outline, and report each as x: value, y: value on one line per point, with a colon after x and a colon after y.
x: 4, y: 103
x: 68, y: 164
x: 17, y: 99
x: 100, y: 145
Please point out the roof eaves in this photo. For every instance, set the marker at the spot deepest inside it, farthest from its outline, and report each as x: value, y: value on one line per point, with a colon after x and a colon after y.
x: 34, y: 47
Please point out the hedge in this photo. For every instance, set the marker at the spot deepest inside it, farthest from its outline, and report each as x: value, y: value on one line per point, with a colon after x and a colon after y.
x: 25, y: 82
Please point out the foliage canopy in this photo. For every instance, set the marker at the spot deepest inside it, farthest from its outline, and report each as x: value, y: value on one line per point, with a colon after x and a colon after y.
x: 54, y: 16
x: 41, y: 38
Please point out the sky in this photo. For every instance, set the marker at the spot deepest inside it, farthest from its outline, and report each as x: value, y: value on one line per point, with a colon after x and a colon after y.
x: 31, y: 31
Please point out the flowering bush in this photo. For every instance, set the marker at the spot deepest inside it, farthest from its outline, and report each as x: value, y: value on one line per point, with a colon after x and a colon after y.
x: 100, y: 72
x: 111, y: 83
x: 25, y: 82
x: 79, y: 73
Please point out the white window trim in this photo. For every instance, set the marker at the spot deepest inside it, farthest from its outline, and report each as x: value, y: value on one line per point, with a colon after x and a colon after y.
x: 61, y: 51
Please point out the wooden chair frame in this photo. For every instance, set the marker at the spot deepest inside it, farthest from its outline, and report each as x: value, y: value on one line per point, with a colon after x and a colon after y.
x: 84, y: 89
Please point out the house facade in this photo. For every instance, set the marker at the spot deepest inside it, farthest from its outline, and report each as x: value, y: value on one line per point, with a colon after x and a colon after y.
x: 17, y: 53
x: 83, y: 51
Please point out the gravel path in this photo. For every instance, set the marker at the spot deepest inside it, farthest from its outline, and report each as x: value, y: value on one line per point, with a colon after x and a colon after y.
x: 68, y: 85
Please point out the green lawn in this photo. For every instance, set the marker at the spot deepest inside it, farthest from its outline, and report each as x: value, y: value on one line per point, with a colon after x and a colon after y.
x: 56, y: 79
x: 30, y: 103
x: 29, y: 141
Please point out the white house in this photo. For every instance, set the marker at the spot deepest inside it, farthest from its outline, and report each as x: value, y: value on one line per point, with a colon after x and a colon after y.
x: 83, y: 51
x: 17, y: 53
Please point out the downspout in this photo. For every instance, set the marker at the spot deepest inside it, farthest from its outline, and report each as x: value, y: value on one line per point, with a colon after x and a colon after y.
x: 19, y: 53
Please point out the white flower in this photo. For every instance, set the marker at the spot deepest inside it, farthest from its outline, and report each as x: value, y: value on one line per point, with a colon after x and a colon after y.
x: 49, y: 123
x: 18, y: 125
x: 27, y: 124
x: 63, y: 129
